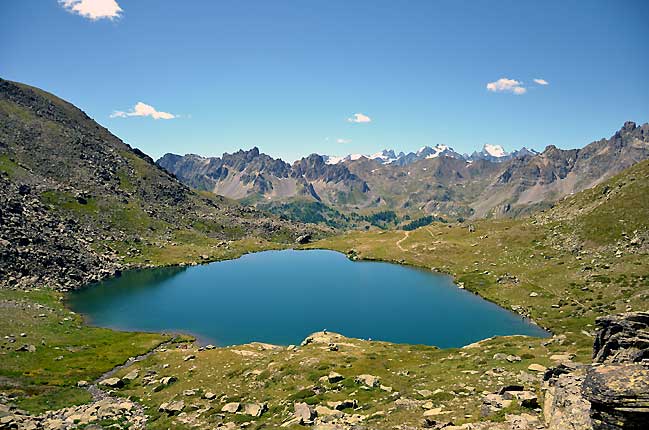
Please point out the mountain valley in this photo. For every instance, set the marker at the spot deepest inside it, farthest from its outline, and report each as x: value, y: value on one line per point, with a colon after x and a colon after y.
x: 78, y: 205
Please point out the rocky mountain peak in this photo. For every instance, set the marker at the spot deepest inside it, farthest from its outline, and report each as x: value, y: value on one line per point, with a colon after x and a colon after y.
x: 629, y: 126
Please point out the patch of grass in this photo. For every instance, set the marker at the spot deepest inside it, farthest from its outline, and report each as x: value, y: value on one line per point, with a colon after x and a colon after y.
x: 66, y: 352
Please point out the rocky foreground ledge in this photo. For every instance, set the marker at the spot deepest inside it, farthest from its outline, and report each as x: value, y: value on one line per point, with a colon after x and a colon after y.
x: 610, y: 393
x: 613, y: 391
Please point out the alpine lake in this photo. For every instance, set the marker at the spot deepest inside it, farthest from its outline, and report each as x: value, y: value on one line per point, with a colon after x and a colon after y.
x: 280, y: 297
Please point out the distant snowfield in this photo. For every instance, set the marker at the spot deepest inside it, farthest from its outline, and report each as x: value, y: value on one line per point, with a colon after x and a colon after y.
x: 389, y: 156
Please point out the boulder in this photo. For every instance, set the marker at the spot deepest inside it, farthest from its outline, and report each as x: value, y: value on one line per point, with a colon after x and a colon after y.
x: 368, y: 380
x: 506, y: 388
x: 505, y: 357
x: 433, y: 412
x: 304, y: 412
x: 172, y: 408
x: 527, y: 399
x: 334, y: 377
x: 112, y: 383
x: 564, y: 407
x: 255, y: 409
x: 323, y: 411
x: 612, y: 393
x: 26, y: 348
x: 536, y: 368
x: 493, y: 403
x: 231, y: 407
x: 304, y: 239
x: 210, y: 396
x: 132, y: 375
x: 168, y: 380
x: 561, y: 357
x: 345, y: 404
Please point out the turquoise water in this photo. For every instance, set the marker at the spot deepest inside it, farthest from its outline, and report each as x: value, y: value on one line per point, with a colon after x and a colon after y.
x: 282, y: 296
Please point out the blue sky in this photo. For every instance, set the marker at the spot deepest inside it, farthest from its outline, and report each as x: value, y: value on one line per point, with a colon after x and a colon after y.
x: 287, y: 75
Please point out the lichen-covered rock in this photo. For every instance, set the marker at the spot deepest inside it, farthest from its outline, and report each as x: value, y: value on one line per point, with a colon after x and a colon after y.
x: 619, y: 396
x: 564, y: 406
x: 612, y: 393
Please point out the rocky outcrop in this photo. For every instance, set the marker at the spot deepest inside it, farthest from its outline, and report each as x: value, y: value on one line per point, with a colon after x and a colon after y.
x: 613, y: 392
x: 619, y: 396
x: 622, y: 338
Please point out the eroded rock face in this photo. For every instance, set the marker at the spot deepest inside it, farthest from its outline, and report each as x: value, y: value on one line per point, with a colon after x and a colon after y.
x: 565, y: 407
x: 613, y: 392
x: 622, y: 338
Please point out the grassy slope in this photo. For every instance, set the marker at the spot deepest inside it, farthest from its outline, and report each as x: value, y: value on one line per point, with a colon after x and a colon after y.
x: 67, y: 351
x: 566, y: 256
x: 281, y: 377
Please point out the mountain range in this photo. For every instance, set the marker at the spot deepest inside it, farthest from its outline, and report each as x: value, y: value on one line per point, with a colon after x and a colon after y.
x: 434, y: 181
x: 388, y: 156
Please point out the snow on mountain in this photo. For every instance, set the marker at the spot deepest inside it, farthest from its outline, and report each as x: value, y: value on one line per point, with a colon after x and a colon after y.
x: 489, y: 152
x: 385, y: 157
x: 498, y: 154
x: 495, y: 150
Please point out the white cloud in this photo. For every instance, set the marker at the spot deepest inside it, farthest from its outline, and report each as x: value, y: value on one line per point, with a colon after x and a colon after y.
x: 507, y: 85
x: 541, y: 81
x: 359, y: 117
x: 143, y: 109
x: 341, y: 140
x: 93, y: 9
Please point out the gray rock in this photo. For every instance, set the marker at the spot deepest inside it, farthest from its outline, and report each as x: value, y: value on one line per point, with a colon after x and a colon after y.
x: 527, y: 399
x: 26, y: 348
x: 255, y: 409
x: 345, y: 404
x: 168, y: 380
x: 368, y: 380
x: 619, y: 395
x: 622, y: 338
x: 493, y: 403
x: 132, y: 375
x: 304, y: 239
x: 334, y: 377
x: 231, y: 407
x: 172, y: 408
x: 304, y: 412
x: 112, y: 383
